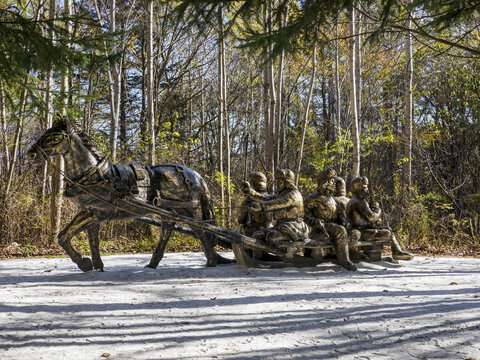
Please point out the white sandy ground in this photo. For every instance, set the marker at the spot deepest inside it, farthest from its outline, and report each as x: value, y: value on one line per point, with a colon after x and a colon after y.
x: 428, y: 308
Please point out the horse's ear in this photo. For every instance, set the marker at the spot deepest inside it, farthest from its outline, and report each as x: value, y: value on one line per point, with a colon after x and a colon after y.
x: 59, y: 122
x: 68, y: 125
x: 62, y: 123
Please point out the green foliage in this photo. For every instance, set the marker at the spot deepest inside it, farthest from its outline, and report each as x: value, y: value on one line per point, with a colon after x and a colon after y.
x: 27, y: 44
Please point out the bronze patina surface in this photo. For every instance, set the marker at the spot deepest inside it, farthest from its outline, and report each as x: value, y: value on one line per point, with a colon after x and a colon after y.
x: 326, y: 215
x: 251, y: 221
x: 100, y: 188
x: 287, y: 207
x: 364, y: 218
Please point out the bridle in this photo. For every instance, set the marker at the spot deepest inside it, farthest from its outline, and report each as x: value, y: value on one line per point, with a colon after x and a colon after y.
x: 40, y: 150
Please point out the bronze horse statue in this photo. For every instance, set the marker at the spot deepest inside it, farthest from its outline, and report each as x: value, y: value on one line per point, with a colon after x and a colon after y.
x: 100, y: 188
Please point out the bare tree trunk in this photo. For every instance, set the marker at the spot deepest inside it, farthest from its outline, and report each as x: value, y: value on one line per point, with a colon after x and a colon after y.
x: 57, y: 182
x: 358, y: 70
x: 16, y: 142
x: 221, y: 111
x: 114, y: 74
x: 46, y: 177
x: 116, y: 89
x: 227, y: 134
x: 150, y: 87
x: 3, y: 124
x: 278, y: 109
x: 338, y: 120
x: 269, y: 95
x: 202, y: 121
x: 305, y: 114
x: 353, y: 99
x: 407, y: 168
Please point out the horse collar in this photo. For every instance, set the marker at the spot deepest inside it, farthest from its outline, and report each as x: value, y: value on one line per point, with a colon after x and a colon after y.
x: 87, y: 174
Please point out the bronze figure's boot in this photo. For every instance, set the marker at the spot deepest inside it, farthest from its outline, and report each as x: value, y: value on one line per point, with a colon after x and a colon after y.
x: 341, y: 249
x: 397, y: 252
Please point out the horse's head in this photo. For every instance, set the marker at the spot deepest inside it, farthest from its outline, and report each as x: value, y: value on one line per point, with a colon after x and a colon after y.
x: 55, y: 141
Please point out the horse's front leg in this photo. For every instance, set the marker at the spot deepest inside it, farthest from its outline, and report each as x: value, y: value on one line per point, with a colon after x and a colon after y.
x: 94, y: 242
x: 79, y: 223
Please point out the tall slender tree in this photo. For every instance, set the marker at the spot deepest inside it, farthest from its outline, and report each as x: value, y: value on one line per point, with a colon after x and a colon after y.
x: 407, y: 164
x: 353, y: 95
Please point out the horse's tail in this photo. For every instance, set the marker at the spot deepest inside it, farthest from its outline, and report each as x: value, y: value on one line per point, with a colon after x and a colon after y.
x: 208, y: 208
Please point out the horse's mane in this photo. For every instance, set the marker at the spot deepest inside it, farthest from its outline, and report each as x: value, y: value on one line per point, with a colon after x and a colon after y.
x: 90, y: 145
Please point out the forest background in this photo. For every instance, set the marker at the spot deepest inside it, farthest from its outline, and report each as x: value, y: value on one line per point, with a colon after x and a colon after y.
x: 385, y: 89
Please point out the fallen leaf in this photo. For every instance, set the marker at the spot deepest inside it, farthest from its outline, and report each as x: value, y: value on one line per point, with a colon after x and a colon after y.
x: 453, y: 283
x: 105, y: 355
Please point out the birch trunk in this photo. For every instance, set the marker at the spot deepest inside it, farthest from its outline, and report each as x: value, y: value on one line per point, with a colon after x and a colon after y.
x: 57, y: 182
x: 407, y: 169
x: 338, y: 120
x: 46, y: 177
x: 3, y: 124
x: 150, y: 87
x: 305, y: 115
x: 227, y: 133
x: 353, y: 99
x: 16, y: 142
x: 358, y: 70
x: 221, y: 113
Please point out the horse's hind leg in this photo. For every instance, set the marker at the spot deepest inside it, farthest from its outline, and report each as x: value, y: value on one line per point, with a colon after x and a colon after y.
x: 81, y: 222
x: 167, y: 228
x: 208, y: 247
x: 94, y: 242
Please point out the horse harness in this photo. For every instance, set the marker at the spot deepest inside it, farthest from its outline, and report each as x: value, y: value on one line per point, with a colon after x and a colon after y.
x: 130, y: 180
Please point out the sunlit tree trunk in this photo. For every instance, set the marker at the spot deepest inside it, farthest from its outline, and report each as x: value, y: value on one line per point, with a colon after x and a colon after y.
x: 150, y: 87
x: 202, y: 121
x: 46, y: 172
x: 407, y: 168
x: 57, y: 182
x: 353, y: 97
x: 114, y: 74
x: 115, y: 88
x: 306, y: 114
x: 338, y: 120
x: 221, y: 110
x: 3, y: 124
x: 358, y: 69
x: 279, y: 88
x: 227, y: 133
x: 16, y: 141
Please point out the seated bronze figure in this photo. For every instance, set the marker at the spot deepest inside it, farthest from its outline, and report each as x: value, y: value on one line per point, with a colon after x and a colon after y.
x: 341, y: 191
x: 287, y: 207
x: 253, y: 221
x: 326, y: 215
x: 365, y: 221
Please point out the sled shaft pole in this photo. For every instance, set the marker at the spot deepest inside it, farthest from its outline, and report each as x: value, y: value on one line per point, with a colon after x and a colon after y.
x: 228, y: 235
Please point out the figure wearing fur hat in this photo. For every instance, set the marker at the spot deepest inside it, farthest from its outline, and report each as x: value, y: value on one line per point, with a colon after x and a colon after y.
x: 325, y: 214
x: 364, y: 218
x: 250, y: 221
x: 287, y: 207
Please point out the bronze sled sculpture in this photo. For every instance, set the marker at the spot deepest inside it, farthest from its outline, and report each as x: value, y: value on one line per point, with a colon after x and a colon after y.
x: 176, y: 194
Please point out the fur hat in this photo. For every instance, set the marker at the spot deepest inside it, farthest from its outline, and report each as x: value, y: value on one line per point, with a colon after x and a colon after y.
x: 326, y: 175
x: 288, y: 176
x: 358, y: 182
x: 256, y: 178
